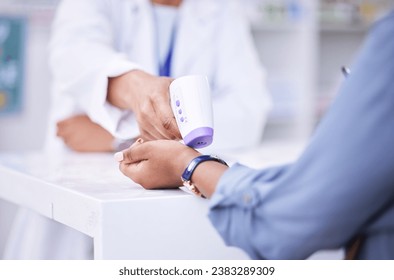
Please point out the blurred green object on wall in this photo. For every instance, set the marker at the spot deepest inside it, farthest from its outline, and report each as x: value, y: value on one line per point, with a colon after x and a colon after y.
x: 12, y: 42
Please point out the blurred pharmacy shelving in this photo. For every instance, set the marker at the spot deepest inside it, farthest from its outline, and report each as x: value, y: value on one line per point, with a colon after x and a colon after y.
x: 286, y: 37
x: 38, y: 12
x: 303, y: 44
x: 343, y: 26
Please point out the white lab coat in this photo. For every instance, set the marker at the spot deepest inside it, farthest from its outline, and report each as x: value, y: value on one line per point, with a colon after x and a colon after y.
x: 96, y: 39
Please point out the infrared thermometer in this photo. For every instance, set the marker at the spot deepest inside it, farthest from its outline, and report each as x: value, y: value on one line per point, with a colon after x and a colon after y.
x: 191, y: 103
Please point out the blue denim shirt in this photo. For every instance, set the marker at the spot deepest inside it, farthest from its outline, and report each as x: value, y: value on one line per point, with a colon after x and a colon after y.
x: 341, y: 186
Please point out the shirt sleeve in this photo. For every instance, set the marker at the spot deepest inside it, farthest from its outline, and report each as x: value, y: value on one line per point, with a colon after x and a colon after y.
x: 83, y: 57
x: 342, y: 182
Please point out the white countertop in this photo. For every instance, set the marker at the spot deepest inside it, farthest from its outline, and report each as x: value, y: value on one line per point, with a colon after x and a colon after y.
x: 88, y: 193
x: 96, y: 175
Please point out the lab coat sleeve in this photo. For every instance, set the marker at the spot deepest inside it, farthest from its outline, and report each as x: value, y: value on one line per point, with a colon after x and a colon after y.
x: 341, y: 183
x: 82, y: 58
x: 240, y: 98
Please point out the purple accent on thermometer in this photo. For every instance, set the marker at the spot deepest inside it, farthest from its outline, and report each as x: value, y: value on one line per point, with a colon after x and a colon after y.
x: 199, y: 137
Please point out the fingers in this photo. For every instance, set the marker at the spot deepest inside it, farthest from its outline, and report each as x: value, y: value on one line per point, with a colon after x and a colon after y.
x: 160, y: 128
x: 149, y: 131
x: 151, y: 123
x: 62, y: 129
x: 132, y: 154
x: 165, y: 122
x: 136, y: 153
x: 168, y: 123
x: 130, y: 161
x: 157, y: 117
x: 119, y: 156
x: 134, y: 171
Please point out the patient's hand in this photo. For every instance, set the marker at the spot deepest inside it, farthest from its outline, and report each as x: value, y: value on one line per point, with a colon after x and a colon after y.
x: 80, y: 134
x: 156, y: 164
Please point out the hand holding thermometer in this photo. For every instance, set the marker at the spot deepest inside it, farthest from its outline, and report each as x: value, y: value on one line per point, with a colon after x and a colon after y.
x: 191, y: 104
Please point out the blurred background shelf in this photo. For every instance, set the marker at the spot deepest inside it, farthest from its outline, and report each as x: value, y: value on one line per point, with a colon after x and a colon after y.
x: 276, y: 27
x: 303, y: 44
x: 341, y: 28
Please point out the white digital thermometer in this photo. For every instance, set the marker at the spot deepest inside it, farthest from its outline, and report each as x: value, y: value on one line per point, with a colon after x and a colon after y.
x: 191, y: 104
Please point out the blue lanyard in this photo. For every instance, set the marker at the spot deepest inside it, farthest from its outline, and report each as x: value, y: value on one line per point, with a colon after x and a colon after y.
x: 165, y: 68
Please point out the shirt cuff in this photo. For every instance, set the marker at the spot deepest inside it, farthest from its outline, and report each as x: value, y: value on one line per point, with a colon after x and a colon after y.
x: 231, y: 185
x: 238, y: 201
x: 239, y: 182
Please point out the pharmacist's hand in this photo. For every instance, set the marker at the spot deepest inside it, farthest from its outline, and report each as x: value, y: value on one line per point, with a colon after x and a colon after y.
x: 80, y: 134
x: 148, y: 97
x: 156, y: 164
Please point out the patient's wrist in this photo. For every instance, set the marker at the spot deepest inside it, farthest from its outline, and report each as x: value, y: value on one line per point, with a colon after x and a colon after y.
x: 212, y: 170
x: 184, y: 159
